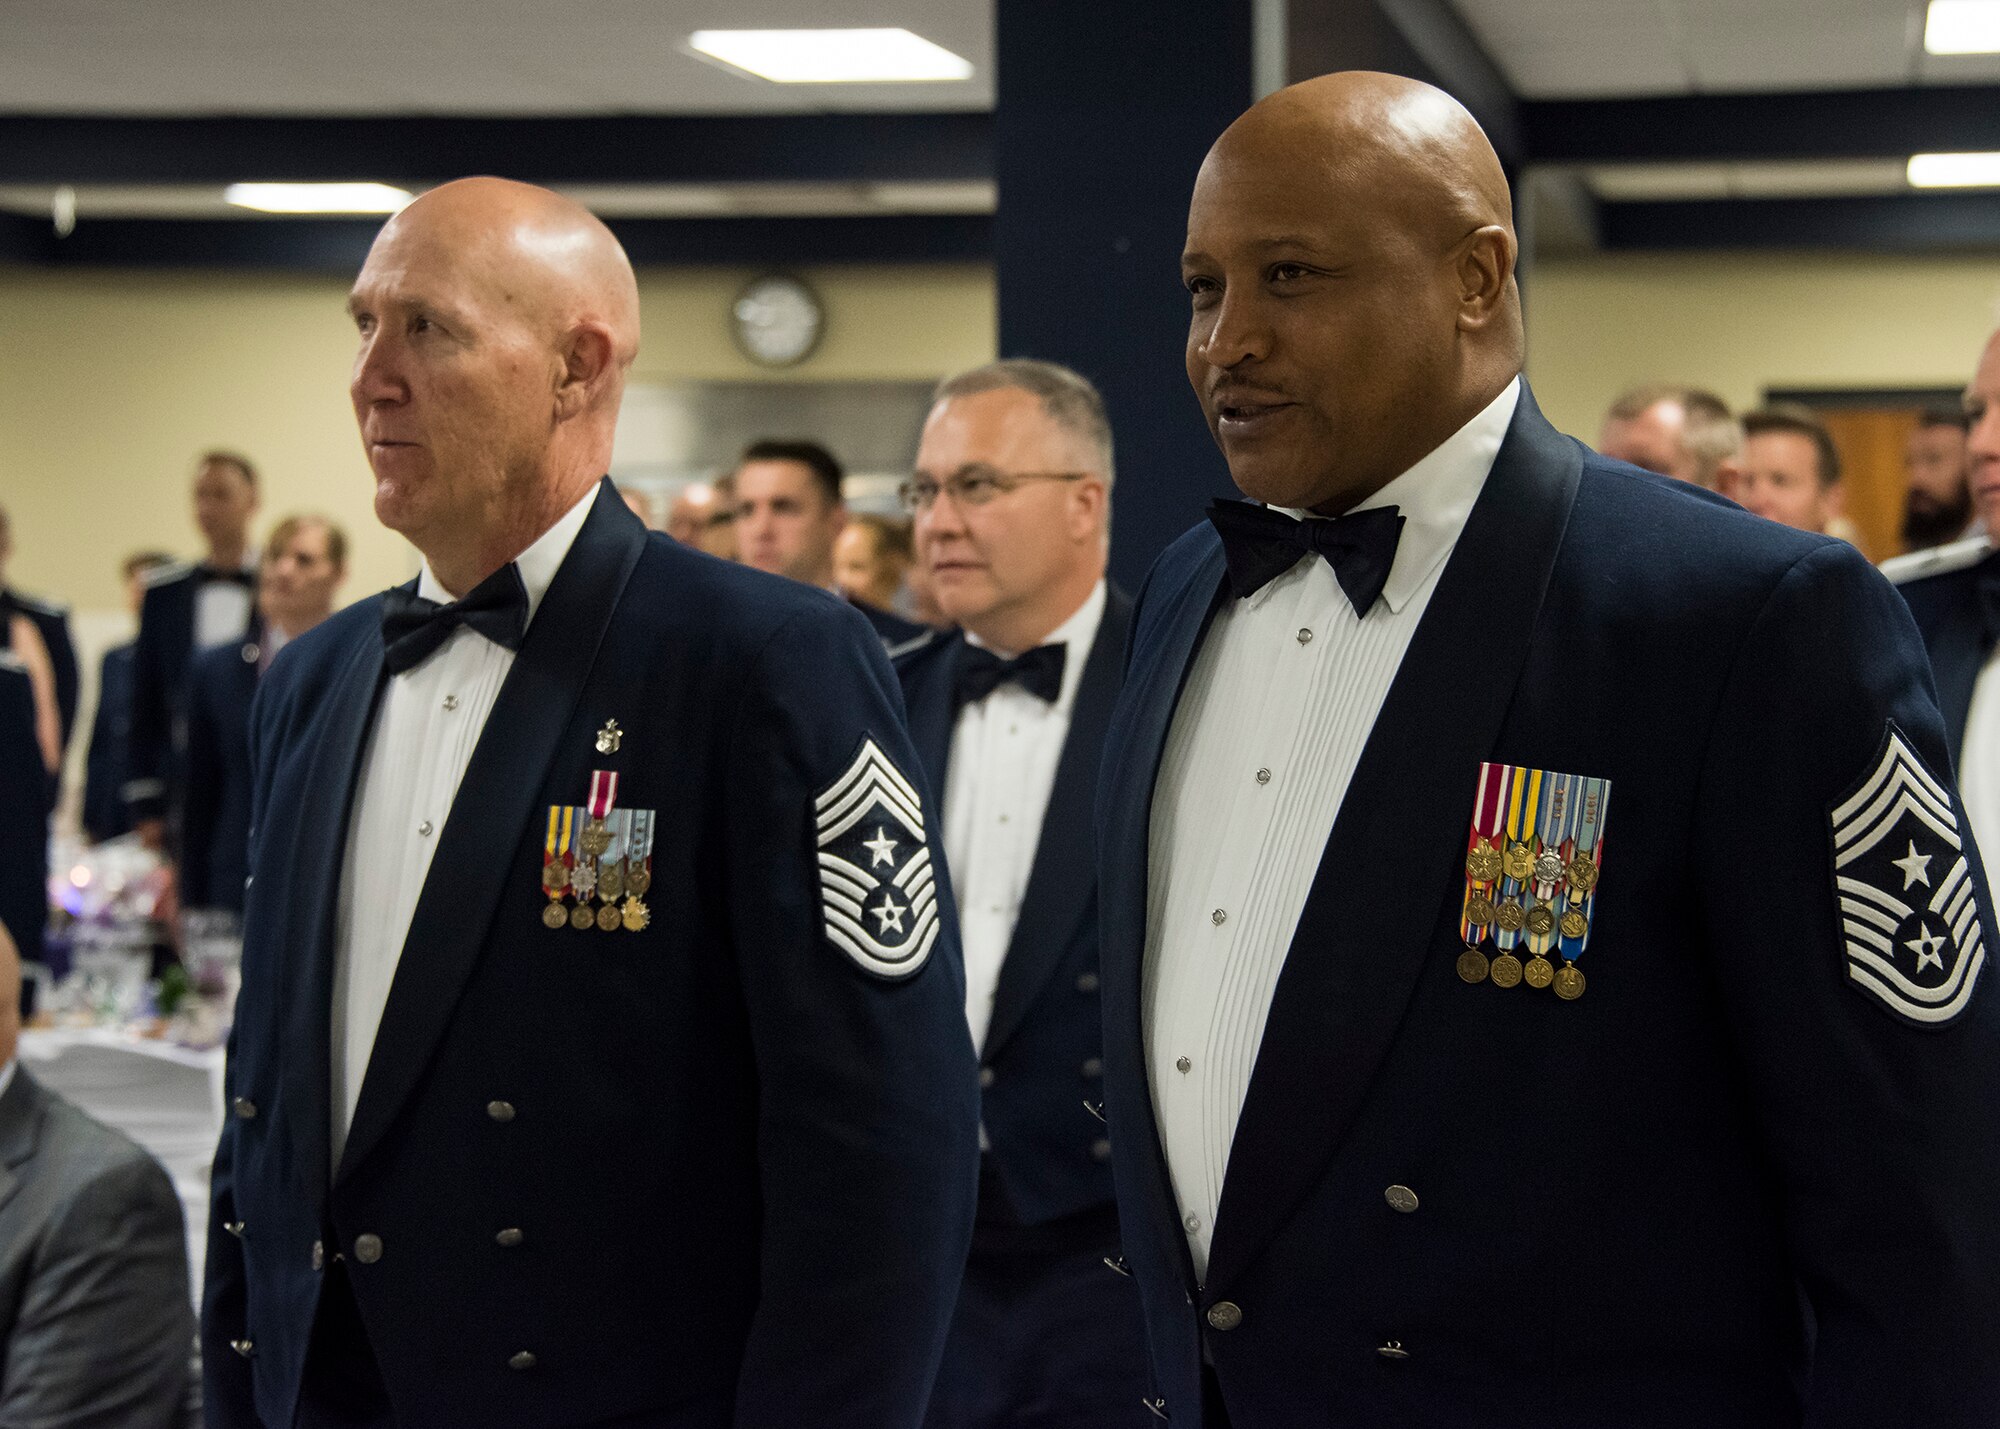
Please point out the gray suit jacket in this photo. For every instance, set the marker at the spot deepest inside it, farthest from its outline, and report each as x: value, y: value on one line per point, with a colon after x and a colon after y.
x: 96, y: 1322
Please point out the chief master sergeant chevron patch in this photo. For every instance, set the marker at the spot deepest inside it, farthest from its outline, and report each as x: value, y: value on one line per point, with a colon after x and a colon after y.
x: 878, y: 891
x: 1908, y: 907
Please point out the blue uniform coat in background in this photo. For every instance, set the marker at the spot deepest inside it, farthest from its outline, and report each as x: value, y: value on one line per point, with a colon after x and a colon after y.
x: 161, y: 656
x: 1725, y: 1187
x: 1951, y: 615
x: 743, y: 1167
x: 215, y: 811
x: 52, y: 620
x: 1043, y: 1055
x: 105, y: 814
x: 24, y: 816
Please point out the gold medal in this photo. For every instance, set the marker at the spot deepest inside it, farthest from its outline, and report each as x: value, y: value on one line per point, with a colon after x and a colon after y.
x: 1540, y: 921
x: 1479, y: 910
x: 554, y: 876
x: 638, y: 880
x: 596, y: 838
x: 1509, y: 917
x: 1472, y: 965
x: 611, y: 882
x: 1574, y: 924
x: 1519, y: 861
x: 1506, y: 970
x: 554, y: 915
x: 607, y: 918
x: 1582, y: 874
x: 580, y: 917
x: 1482, y: 865
x: 1549, y: 868
x: 1539, y: 972
x: 636, y: 916
x: 1569, y: 983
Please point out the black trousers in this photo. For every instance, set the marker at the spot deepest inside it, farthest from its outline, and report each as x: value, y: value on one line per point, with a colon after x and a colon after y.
x: 1045, y: 1335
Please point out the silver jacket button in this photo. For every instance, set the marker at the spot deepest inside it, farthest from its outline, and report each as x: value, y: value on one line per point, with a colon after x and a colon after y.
x: 319, y: 1256
x: 368, y: 1249
x: 244, y: 1108
x: 1100, y: 1150
x: 524, y: 1360
x: 500, y: 1111
x: 243, y: 1347
x: 1401, y: 1198
x: 1225, y: 1315
x: 1393, y: 1351
x: 509, y: 1238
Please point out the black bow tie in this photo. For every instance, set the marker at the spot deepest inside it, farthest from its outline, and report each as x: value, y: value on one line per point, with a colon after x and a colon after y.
x: 413, y: 627
x: 1262, y: 544
x: 234, y: 574
x: 981, y: 672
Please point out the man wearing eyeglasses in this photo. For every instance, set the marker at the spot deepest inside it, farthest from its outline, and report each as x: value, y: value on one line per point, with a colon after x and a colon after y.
x: 1011, y: 499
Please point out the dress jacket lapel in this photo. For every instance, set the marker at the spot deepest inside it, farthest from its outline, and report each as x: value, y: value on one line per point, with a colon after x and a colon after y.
x: 1356, y: 956
x: 495, y: 803
x: 1062, y: 883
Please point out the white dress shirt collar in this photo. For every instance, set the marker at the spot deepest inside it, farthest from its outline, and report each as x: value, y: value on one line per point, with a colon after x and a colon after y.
x: 1079, y: 630
x: 1435, y: 497
x: 538, y: 564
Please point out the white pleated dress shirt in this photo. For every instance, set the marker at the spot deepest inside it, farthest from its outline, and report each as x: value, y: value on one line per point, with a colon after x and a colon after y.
x: 426, y: 728
x: 1979, y: 762
x: 1277, y: 708
x: 1004, y: 753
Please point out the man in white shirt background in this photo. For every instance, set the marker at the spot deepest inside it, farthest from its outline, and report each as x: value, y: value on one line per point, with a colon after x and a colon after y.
x: 1011, y: 497
x: 188, y: 608
x: 589, y: 1068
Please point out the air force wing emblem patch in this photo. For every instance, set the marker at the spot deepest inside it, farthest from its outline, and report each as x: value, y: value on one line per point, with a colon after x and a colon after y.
x: 1909, y: 912
x: 878, y: 891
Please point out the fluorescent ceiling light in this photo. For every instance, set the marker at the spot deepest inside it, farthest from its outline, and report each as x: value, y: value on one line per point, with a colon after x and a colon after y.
x: 1954, y: 171
x: 317, y: 198
x: 1963, y: 27
x: 831, y: 56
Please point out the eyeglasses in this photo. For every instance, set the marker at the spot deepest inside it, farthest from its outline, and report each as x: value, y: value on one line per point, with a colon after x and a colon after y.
x: 973, y: 486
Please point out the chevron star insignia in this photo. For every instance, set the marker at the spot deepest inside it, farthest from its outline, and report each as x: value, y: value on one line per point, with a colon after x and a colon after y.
x: 1911, y: 934
x: 878, y: 890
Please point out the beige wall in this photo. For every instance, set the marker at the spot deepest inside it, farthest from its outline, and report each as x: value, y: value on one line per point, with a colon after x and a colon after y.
x: 1742, y: 323
x: 110, y: 383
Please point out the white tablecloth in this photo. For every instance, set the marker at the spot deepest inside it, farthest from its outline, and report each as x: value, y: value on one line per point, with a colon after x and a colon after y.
x: 166, y: 1098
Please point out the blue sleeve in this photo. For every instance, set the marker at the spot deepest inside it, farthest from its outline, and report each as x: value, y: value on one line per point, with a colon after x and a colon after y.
x: 148, y: 744
x: 868, y: 1103
x: 201, y: 800
x: 1876, y: 1110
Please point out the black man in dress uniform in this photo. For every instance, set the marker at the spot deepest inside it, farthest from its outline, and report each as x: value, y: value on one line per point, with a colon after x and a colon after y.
x: 1543, y: 951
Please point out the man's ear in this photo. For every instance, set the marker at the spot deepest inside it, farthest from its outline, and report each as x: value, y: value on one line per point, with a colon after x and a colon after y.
x: 1484, y: 269
x: 589, y: 357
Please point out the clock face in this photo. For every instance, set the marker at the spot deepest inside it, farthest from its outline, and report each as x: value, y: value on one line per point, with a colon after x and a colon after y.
x: 777, y: 321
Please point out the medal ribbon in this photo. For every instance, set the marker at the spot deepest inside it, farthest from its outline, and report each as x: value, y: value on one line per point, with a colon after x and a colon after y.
x: 1522, y: 808
x: 1555, y: 828
x: 552, y: 853
x: 1494, y: 781
x: 603, y: 792
x: 1589, y: 846
x: 639, y: 850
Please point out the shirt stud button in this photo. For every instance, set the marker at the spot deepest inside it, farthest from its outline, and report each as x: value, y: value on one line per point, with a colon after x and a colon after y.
x: 1182, y: 1064
x: 451, y: 702
x: 1263, y: 776
x: 424, y: 829
x: 986, y: 1076
x: 1218, y: 917
x: 1304, y: 635
x: 1193, y: 1224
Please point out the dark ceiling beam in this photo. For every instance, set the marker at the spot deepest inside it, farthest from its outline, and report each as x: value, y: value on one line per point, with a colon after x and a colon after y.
x: 1423, y: 39
x: 337, y: 245
x: 1836, y: 124
x: 759, y: 148
x: 1888, y: 223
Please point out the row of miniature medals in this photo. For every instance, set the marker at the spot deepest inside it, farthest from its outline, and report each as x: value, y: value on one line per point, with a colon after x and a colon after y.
x: 600, y: 856
x: 1531, y: 874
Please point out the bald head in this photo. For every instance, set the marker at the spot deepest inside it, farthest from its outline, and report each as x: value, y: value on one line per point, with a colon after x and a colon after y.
x: 1351, y: 263
x: 497, y: 323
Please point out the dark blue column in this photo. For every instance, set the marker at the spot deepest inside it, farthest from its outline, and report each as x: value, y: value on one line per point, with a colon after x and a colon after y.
x: 1105, y: 109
